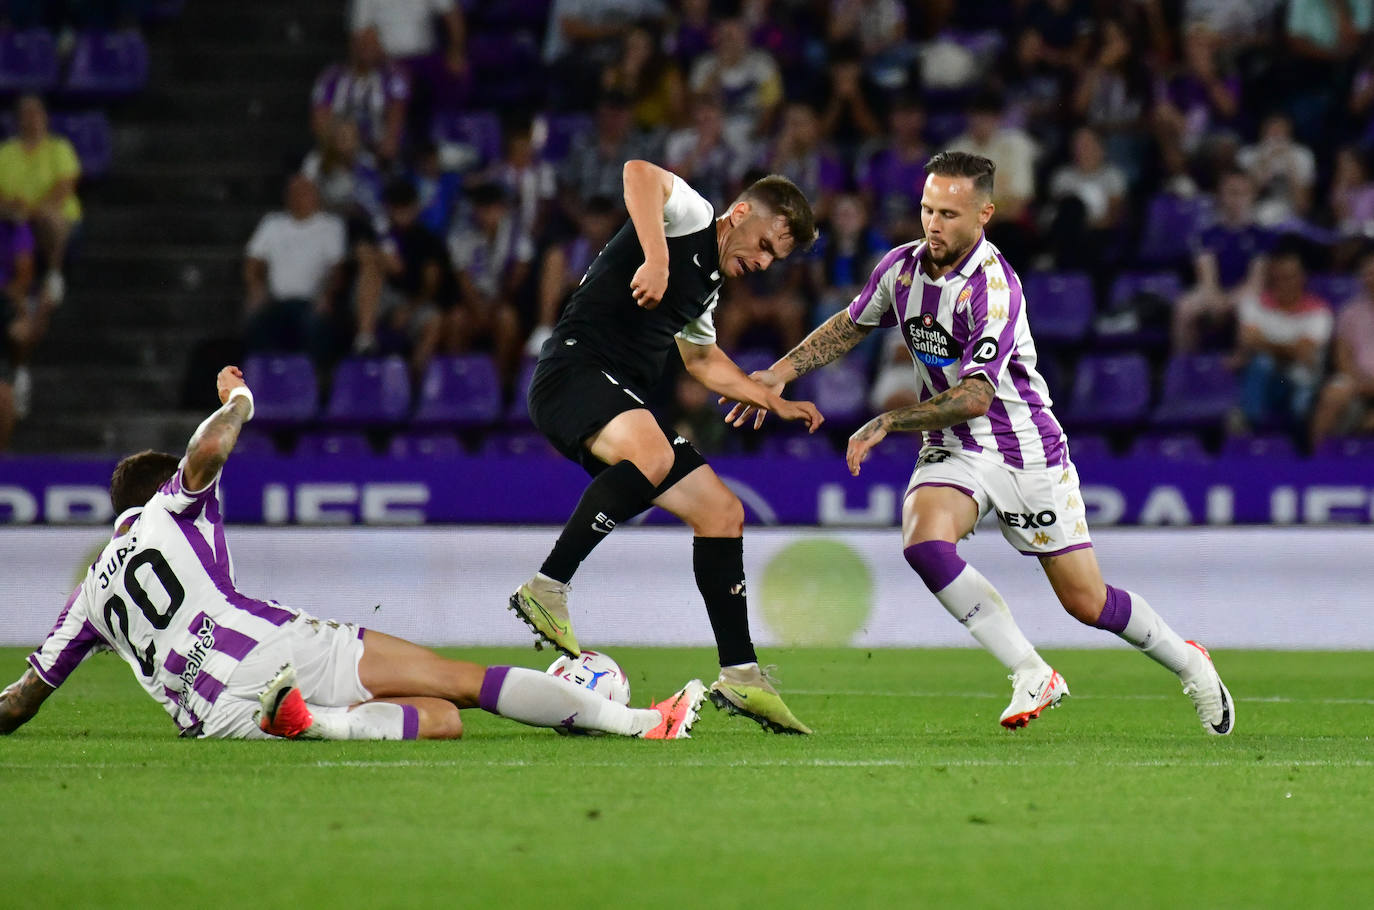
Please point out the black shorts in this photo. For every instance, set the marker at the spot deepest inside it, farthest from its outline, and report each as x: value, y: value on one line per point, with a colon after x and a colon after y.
x: 570, y: 399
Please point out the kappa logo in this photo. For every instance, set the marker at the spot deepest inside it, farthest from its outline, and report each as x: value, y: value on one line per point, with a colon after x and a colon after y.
x: 1080, y: 529
x: 1041, y: 539
x: 1064, y: 478
x: 1041, y: 519
x: 904, y: 279
x: 997, y: 313
x: 995, y: 283
x: 991, y: 260
x: 1073, y: 502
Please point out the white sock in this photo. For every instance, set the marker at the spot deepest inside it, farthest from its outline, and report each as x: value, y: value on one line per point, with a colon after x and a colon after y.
x: 370, y: 720
x: 1155, y: 639
x: 541, y: 700
x: 971, y: 599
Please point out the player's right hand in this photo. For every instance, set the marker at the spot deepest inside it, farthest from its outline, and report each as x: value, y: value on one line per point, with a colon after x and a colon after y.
x: 649, y: 284
x: 230, y: 378
x: 804, y: 411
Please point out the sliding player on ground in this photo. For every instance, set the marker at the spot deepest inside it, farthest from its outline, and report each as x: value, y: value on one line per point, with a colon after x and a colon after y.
x: 226, y: 665
x: 990, y: 442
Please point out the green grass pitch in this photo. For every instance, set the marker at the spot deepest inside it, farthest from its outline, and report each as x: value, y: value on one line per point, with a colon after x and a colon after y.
x: 910, y: 794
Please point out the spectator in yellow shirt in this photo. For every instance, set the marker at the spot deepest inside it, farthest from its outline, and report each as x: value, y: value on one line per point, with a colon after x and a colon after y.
x: 38, y: 175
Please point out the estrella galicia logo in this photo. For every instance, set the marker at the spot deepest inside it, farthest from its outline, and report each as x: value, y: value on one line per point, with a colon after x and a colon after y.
x: 930, y: 343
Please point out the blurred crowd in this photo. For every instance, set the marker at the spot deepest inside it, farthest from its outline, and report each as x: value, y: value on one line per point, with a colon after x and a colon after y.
x: 467, y: 164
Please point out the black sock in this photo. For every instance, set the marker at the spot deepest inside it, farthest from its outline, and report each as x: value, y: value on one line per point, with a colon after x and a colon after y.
x: 618, y: 493
x: 719, y: 566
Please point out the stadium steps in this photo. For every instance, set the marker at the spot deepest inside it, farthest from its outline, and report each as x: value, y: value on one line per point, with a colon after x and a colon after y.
x: 199, y: 157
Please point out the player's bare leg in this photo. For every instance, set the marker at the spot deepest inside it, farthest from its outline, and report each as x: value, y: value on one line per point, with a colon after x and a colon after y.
x: 716, y: 518
x: 934, y: 518
x: 285, y: 713
x: 1077, y: 582
x: 639, y: 458
x: 394, y: 669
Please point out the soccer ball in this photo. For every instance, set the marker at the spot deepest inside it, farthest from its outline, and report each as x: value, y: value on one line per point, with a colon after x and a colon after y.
x: 595, y: 671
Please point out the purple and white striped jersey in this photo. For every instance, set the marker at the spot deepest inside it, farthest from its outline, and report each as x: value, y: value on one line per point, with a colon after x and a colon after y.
x: 162, y: 597
x: 970, y: 322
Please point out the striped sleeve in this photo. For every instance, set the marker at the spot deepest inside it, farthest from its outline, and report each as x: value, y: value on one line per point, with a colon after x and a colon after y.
x: 993, y: 308
x: 72, y: 639
x: 873, y: 304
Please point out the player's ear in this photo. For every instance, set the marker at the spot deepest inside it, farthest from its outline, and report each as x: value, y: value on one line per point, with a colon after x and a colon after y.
x: 985, y: 215
x: 738, y: 212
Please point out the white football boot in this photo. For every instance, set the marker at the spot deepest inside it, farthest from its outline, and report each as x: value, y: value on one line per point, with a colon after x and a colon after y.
x: 1032, y: 691
x: 1215, y: 709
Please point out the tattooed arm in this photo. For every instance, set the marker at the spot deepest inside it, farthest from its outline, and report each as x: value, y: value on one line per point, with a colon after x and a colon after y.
x: 836, y: 337
x: 969, y: 399
x: 20, y: 702
x: 214, y: 439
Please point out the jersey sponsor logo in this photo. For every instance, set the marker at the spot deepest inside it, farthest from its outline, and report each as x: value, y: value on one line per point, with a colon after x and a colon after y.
x: 986, y: 352
x: 195, y: 658
x: 1041, y: 519
x: 930, y: 343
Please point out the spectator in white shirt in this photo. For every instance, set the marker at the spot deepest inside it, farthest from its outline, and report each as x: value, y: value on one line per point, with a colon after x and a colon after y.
x: 1090, y: 196
x: 491, y: 259
x: 1283, y: 170
x: 746, y: 79
x: 292, y: 274
x: 1008, y: 147
x: 407, y: 26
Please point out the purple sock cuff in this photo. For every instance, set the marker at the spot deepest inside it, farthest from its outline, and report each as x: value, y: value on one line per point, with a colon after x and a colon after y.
x: 1116, y: 612
x: 491, y: 688
x: 410, y: 722
x: 936, y: 561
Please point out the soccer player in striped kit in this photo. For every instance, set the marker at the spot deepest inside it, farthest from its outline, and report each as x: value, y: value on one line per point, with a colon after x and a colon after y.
x: 990, y: 442
x: 161, y: 595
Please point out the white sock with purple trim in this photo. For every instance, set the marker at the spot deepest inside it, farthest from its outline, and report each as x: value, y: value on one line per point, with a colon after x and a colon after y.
x: 971, y: 599
x: 370, y: 720
x: 541, y: 700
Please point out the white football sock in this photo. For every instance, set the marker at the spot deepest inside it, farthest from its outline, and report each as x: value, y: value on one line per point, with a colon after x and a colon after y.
x: 971, y: 599
x: 541, y: 700
x: 1152, y: 635
x: 370, y: 720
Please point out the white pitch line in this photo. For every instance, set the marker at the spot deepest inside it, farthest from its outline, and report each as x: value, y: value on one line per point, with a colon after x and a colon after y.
x: 1272, y: 699
x: 563, y: 762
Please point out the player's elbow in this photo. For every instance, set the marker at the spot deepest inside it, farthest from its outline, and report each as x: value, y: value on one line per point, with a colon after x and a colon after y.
x: 980, y: 398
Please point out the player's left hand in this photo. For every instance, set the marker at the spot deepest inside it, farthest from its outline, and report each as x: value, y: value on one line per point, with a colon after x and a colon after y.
x: 649, y: 284
x: 229, y: 378
x: 741, y: 411
x: 862, y: 442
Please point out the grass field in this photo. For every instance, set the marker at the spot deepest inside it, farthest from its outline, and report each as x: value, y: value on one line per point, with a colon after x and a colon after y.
x: 910, y: 794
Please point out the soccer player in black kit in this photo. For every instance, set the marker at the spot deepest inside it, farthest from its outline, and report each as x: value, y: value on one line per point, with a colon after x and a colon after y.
x: 654, y: 285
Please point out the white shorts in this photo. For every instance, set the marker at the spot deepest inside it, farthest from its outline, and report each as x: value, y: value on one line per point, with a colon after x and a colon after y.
x: 326, y: 656
x: 1040, y: 510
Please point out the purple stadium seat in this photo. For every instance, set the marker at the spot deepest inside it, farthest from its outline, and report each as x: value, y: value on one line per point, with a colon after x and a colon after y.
x: 1089, y: 447
x: 1335, y: 288
x: 554, y: 134
x: 284, y: 388
x: 1059, y: 306
x: 1121, y: 325
x: 1170, y: 226
x: 1110, y: 390
x: 522, y: 442
x: 89, y: 133
x: 840, y: 391
x: 1266, y: 446
x: 28, y: 61
x: 350, y: 445
x: 1199, y: 391
x: 254, y: 443
x: 460, y: 391
x: 1348, y: 447
x: 518, y: 413
x: 478, y: 130
x: 107, y: 64
x: 369, y: 391
x: 427, y: 445
x: 1186, y: 447
x: 1128, y: 285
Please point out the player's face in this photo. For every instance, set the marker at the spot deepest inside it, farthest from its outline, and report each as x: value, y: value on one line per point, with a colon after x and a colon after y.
x: 757, y: 238
x: 953, y: 214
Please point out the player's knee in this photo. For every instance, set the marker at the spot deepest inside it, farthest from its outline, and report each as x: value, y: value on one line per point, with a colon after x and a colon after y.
x: 718, y: 515
x: 1083, y: 604
x: 654, y: 463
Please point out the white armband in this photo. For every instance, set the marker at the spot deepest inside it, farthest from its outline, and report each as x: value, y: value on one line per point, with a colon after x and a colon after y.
x: 242, y: 392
